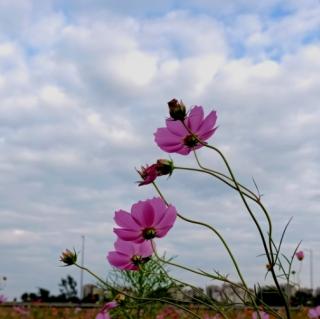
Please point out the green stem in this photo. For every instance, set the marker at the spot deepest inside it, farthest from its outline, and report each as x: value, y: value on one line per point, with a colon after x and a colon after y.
x: 219, y: 278
x: 226, y: 179
x: 212, y: 229
x: 137, y: 298
x: 270, y: 258
x: 218, y: 235
x: 214, y: 174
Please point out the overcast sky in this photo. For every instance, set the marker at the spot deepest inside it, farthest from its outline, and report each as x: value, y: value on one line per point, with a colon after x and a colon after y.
x: 83, y: 87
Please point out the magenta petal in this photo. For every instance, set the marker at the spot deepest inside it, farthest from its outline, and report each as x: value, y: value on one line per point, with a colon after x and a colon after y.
x: 103, y: 315
x: 159, y: 207
x: 184, y: 150
x: 124, y: 219
x: 144, y: 249
x: 208, y: 123
x: 168, y: 218
x: 127, y: 234
x: 161, y: 232
x: 173, y: 148
x: 148, y: 214
x: 176, y: 127
x: 117, y: 259
x: 207, y: 135
x: 195, y: 118
x: 125, y: 247
x: 110, y: 305
x: 312, y: 313
x: 142, y: 212
x: 164, y: 137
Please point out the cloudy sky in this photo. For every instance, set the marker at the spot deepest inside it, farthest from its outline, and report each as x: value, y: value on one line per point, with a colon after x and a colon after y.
x: 83, y: 87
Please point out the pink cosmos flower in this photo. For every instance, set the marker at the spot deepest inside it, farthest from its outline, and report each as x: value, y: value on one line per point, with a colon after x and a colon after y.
x: 175, y: 138
x: 263, y: 315
x: 148, y: 219
x: 103, y: 315
x: 129, y: 255
x: 3, y: 299
x: 21, y: 310
x: 314, y: 313
x: 104, y: 312
x: 300, y: 255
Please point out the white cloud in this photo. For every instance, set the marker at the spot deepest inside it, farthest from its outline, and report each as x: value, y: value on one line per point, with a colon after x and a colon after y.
x: 81, y: 95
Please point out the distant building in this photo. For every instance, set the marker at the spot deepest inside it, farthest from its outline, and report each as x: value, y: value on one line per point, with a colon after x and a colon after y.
x: 92, y: 292
x: 228, y: 293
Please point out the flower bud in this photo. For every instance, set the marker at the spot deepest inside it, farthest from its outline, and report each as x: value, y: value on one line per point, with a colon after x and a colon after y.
x: 119, y: 298
x: 148, y: 174
x: 269, y: 267
x: 177, y: 110
x: 68, y: 257
x: 164, y: 167
x: 300, y: 255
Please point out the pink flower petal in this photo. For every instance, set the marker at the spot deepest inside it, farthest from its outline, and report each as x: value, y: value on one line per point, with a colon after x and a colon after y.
x: 142, y: 212
x: 117, y: 259
x: 173, y: 148
x: 208, y: 123
x: 144, y: 249
x: 167, y: 221
x: 103, y: 315
x: 159, y: 207
x: 184, y: 150
x: 176, y: 128
x: 148, y: 214
x: 124, y: 219
x: 110, y: 305
x: 207, y: 135
x: 127, y: 234
x: 195, y: 118
x: 165, y: 138
x: 125, y: 247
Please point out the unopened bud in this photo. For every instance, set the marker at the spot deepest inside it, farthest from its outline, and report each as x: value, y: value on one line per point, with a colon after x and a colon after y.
x: 119, y: 298
x: 177, y: 110
x: 300, y: 255
x: 68, y: 257
x: 164, y: 167
x: 269, y: 267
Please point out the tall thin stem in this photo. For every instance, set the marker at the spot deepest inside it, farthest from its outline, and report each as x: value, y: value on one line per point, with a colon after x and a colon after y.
x: 217, y: 234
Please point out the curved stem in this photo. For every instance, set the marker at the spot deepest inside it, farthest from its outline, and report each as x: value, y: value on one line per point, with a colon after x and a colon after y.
x: 218, y: 235
x: 254, y: 197
x: 269, y: 254
x: 219, y: 278
x: 222, y: 177
x: 214, y: 174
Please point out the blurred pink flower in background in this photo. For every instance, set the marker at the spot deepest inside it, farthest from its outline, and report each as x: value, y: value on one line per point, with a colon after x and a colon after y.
x: 300, y: 255
x: 129, y: 255
x: 148, y: 219
x: 104, y: 312
x: 2, y: 299
x: 21, y: 310
x: 263, y: 315
x: 175, y: 138
x: 314, y: 313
